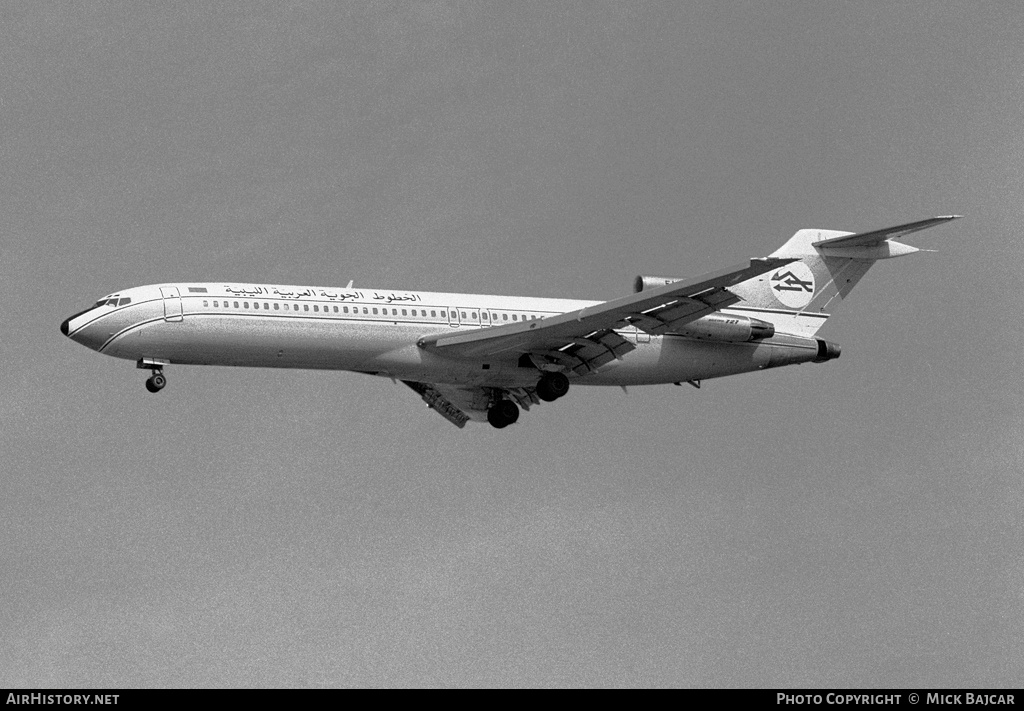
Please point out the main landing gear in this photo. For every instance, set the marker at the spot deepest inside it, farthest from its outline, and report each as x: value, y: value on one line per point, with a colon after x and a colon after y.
x: 503, y: 413
x: 155, y: 382
x: 552, y: 386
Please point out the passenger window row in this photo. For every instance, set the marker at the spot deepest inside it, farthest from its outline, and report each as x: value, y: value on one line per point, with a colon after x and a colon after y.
x: 486, y: 318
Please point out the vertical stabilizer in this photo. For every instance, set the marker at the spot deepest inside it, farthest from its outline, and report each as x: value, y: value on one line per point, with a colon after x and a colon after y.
x: 799, y: 297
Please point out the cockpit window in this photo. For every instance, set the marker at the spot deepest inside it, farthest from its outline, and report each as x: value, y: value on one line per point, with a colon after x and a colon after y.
x: 113, y: 301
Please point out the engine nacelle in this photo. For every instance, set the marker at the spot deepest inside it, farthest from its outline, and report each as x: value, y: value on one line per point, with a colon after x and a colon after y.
x: 649, y: 282
x: 726, y: 327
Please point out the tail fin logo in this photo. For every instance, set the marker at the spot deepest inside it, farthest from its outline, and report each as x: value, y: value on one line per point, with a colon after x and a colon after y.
x: 793, y: 285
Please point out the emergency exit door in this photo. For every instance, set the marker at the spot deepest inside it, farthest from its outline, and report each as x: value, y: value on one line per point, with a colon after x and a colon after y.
x: 172, y: 303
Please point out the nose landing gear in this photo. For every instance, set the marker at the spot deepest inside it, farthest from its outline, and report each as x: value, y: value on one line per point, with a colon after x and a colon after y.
x: 155, y: 382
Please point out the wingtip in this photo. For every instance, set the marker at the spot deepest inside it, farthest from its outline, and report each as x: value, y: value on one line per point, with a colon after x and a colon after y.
x: 949, y: 217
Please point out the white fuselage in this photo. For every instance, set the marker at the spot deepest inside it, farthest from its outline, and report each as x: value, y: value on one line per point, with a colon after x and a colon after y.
x: 376, y: 331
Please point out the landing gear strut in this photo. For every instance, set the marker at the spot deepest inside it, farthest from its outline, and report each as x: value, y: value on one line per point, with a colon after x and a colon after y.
x: 155, y: 382
x: 503, y: 413
x: 552, y: 386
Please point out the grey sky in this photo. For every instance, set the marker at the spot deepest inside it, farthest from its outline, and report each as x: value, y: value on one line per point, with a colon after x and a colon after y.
x: 855, y: 523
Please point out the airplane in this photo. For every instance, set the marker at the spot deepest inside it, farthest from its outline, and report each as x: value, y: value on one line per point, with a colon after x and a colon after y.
x: 482, y: 357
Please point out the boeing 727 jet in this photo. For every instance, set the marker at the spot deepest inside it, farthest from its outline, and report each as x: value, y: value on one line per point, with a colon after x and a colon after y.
x: 479, y: 357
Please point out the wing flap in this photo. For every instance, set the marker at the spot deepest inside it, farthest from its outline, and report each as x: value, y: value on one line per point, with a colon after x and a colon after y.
x: 459, y: 404
x: 440, y: 404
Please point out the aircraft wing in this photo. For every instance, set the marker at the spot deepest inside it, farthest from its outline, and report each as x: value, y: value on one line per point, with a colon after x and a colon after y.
x: 584, y: 340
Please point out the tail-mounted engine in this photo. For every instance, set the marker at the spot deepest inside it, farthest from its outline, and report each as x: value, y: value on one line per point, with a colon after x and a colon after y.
x: 649, y: 282
x: 713, y: 327
x: 726, y: 327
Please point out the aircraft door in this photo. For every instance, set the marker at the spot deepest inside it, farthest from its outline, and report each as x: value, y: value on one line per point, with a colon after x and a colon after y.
x: 453, y: 318
x: 172, y: 303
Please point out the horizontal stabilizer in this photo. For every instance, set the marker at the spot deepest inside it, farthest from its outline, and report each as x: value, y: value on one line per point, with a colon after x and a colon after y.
x: 869, y: 239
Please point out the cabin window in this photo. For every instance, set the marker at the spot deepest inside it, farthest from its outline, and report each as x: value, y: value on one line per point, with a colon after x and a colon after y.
x: 404, y: 312
x: 336, y: 309
x: 433, y: 314
x: 375, y: 312
x: 316, y: 308
x: 277, y: 307
x: 504, y: 317
x: 266, y: 306
x: 236, y: 304
x: 514, y: 317
x: 215, y: 304
x: 463, y: 314
x: 305, y: 307
x: 245, y: 304
x: 345, y: 309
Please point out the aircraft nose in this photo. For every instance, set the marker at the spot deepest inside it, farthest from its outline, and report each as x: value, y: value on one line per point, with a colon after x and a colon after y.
x: 65, y: 327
